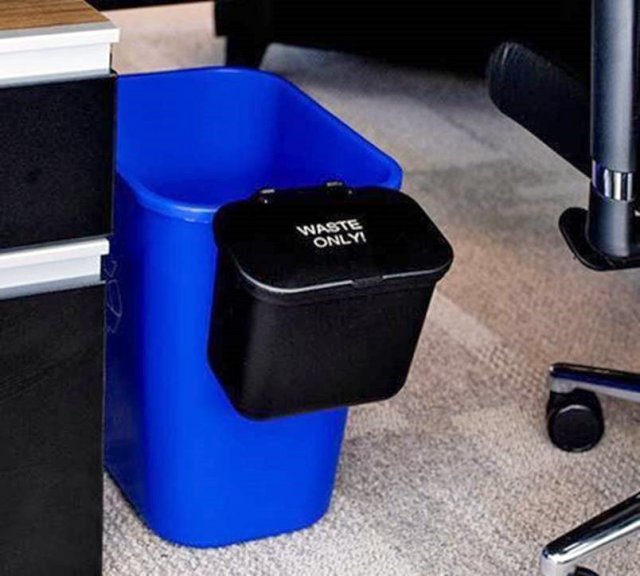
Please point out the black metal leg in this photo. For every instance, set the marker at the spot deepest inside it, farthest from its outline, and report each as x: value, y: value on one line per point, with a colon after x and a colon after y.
x: 247, y: 26
x: 245, y: 51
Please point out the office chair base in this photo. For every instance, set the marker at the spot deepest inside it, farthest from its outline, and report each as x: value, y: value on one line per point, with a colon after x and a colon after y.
x: 575, y: 422
x: 562, y: 556
x: 573, y: 226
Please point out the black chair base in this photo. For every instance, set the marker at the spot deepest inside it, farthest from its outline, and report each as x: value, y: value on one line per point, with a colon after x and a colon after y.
x: 573, y: 225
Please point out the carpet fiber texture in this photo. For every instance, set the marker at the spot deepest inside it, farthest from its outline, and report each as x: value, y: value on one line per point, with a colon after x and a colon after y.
x: 455, y: 476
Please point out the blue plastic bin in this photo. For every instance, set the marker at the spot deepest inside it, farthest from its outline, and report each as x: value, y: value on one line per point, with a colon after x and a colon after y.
x: 195, y: 470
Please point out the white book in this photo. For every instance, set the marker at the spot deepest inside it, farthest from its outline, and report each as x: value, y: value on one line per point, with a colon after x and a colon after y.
x: 78, y: 50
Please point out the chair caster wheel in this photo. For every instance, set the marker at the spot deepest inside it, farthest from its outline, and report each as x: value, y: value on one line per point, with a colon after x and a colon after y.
x: 584, y: 572
x: 574, y: 421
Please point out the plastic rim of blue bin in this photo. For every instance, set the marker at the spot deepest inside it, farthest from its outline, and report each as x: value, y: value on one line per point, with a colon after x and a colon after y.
x: 199, y: 213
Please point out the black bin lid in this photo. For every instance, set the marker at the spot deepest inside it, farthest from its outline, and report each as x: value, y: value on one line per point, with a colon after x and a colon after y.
x: 313, y: 242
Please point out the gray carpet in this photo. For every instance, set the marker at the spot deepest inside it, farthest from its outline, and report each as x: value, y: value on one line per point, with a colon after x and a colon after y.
x: 455, y: 476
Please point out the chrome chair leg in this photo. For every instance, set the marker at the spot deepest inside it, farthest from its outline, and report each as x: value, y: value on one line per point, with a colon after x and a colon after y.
x: 565, y: 378
x: 563, y: 556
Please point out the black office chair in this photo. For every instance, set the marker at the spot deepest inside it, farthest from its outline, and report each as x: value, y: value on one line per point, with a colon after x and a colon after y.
x: 594, y: 126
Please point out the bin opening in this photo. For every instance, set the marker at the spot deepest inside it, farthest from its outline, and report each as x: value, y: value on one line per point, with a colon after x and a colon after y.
x: 217, y: 135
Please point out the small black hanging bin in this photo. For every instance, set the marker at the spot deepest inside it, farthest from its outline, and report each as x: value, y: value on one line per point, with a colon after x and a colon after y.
x: 320, y: 296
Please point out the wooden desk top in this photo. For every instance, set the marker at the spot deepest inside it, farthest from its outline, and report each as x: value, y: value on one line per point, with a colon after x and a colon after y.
x: 28, y: 14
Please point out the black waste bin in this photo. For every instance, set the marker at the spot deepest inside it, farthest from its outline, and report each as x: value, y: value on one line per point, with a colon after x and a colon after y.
x: 320, y: 296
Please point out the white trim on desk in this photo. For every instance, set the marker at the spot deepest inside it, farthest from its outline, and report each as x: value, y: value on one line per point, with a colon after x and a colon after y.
x: 60, y: 51
x: 27, y: 271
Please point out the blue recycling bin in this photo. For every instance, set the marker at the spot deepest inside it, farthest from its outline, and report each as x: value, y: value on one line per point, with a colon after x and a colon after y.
x: 196, y: 471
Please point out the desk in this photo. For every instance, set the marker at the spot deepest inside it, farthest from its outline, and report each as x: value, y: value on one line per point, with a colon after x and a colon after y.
x: 57, y: 103
x: 21, y: 14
